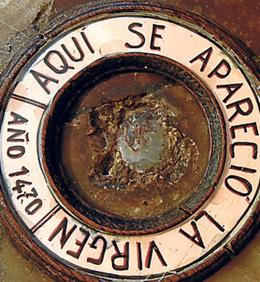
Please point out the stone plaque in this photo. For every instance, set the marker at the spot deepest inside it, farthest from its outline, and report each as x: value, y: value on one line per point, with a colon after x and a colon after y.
x: 129, y: 145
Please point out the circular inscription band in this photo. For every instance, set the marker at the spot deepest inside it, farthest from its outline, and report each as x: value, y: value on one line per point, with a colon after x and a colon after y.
x: 77, y: 244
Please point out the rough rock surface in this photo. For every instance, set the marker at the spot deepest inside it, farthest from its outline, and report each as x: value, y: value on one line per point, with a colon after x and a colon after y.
x: 19, y: 20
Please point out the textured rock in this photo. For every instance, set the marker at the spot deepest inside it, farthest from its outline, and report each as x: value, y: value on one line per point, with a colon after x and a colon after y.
x: 19, y: 20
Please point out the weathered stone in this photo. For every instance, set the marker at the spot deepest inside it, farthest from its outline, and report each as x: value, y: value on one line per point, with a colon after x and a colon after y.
x: 20, y: 19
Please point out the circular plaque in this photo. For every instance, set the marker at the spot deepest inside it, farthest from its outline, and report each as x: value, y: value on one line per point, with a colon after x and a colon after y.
x: 130, y: 145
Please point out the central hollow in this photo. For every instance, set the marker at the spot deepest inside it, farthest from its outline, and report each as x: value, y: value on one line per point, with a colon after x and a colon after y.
x: 143, y: 143
x: 135, y: 145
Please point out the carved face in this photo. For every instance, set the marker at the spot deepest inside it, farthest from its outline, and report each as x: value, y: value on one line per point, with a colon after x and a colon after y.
x: 142, y: 142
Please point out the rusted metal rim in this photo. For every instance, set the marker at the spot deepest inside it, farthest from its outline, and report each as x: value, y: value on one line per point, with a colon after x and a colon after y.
x: 98, y: 72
